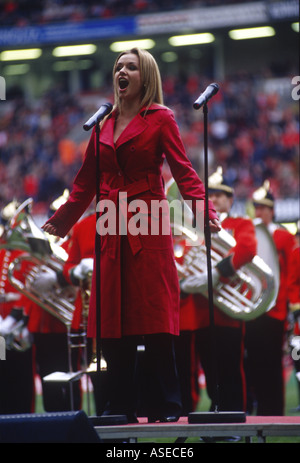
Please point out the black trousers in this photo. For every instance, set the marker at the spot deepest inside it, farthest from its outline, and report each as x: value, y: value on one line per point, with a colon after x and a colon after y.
x: 224, y: 369
x: 188, y: 370
x: 264, y: 366
x: 147, y: 381
x: 17, y: 391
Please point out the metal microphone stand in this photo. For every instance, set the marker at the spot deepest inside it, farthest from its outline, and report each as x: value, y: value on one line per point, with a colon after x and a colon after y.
x: 216, y: 416
x: 98, y: 255
x: 103, y: 419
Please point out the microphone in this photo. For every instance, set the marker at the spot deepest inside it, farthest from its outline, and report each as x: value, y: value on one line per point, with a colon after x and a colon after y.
x: 98, y: 116
x: 210, y: 91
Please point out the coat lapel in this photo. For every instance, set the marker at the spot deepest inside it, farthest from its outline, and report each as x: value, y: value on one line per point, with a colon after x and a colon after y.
x: 107, y: 132
x: 137, y: 125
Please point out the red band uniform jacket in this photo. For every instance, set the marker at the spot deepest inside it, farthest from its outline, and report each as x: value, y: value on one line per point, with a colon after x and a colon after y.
x: 284, y: 243
x: 81, y: 245
x: 139, y: 283
x: 294, y: 286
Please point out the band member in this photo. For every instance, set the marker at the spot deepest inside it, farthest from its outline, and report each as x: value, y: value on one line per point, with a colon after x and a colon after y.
x: 294, y: 306
x: 79, y: 265
x: 294, y: 280
x: 77, y: 271
x: 17, y: 390
x: 139, y: 284
x: 229, y: 332
x: 51, y: 343
x: 265, y: 335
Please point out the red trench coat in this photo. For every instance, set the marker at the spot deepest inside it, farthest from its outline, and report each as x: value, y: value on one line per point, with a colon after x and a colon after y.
x: 139, y: 283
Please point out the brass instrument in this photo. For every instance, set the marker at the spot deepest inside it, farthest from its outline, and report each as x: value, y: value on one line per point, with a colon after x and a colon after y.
x: 85, y: 288
x: 248, y: 294
x: 253, y: 289
x: 41, y: 256
x: 18, y: 339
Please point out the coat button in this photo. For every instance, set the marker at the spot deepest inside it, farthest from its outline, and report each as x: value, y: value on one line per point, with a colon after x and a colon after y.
x: 120, y: 173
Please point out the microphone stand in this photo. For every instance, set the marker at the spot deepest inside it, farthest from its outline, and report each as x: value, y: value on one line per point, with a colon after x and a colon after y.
x: 98, y: 256
x: 103, y: 420
x: 216, y: 416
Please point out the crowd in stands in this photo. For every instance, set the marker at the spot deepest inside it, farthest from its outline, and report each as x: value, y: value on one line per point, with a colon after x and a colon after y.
x: 253, y: 134
x: 26, y: 12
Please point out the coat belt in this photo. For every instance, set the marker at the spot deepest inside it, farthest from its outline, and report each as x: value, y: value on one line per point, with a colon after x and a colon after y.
x: 132, y: 189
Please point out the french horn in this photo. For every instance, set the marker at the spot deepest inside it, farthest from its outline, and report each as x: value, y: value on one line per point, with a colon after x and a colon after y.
x: 253, y: 289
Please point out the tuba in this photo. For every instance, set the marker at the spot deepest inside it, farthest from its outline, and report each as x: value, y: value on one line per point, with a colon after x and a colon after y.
x: 253, y: 289
x: 40, y: 256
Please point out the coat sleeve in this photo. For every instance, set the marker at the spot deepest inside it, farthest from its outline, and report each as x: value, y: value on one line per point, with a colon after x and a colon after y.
x: 83, y: 192
x: 189, y: 184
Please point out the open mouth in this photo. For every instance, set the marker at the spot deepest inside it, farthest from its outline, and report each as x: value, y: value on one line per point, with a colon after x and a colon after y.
x: 123, y: 83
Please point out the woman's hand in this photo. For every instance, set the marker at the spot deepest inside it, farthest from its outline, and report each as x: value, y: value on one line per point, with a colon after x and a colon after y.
x: 49, y: 228
x: 214, y: 225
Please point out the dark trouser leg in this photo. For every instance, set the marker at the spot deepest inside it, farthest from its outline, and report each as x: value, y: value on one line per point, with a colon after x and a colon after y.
x: 120, y: 355
x: 163, y: 397
x: 17, y: 383
x: 230, y: 372
x: 187, y: 366
x: 264, y: 350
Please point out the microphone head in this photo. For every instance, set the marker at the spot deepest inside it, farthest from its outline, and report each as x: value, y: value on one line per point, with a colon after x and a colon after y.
x: 86, y: 127
x: 204, y: 97
x: 216, y: 87
x: 103, y: 111
x: 110, y: 106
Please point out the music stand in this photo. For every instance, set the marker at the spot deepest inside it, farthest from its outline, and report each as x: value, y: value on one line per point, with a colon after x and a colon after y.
x: 216, y: 416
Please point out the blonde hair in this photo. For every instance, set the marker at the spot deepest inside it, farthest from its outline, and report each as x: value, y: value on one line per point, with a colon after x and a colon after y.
x: 150, y: 78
